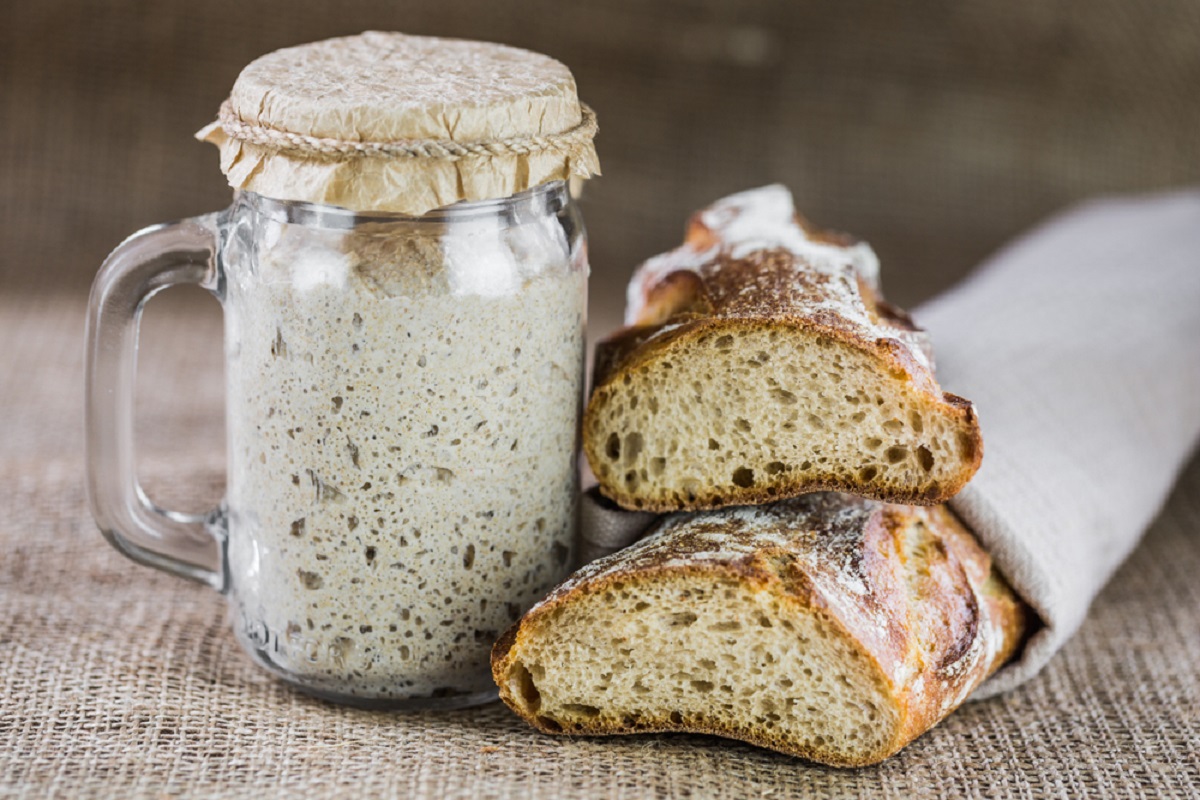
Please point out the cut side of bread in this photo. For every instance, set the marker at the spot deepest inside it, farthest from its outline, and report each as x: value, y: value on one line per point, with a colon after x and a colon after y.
x: 760, y: 363
x: 827, y: 626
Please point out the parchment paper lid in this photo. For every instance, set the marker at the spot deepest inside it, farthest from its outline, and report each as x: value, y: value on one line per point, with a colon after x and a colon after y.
x: 390, y: 122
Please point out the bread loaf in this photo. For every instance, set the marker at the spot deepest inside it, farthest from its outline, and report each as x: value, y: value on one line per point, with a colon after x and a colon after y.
x: 826, y: 626
x: 760, y: 363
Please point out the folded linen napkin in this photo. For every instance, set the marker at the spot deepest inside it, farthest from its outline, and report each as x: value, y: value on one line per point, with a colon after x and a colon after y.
x: 1080, y: 346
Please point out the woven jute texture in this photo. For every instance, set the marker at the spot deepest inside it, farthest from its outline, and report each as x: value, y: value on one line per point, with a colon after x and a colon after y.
x: 119, y: 681
x: 934, y: 130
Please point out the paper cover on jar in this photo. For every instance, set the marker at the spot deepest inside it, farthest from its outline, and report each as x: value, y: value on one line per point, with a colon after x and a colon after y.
x: 391, y: 122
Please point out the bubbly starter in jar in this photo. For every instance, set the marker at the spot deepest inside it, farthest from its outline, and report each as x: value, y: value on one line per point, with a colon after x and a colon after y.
x: 402, y: 425
x: 403, y: 274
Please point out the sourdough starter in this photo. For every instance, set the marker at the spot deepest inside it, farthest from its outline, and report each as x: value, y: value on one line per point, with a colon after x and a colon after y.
x: 402, y: 424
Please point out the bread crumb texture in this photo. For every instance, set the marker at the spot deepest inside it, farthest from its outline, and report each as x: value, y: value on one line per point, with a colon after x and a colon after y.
x: 829, y: 627
x: 760, y: 363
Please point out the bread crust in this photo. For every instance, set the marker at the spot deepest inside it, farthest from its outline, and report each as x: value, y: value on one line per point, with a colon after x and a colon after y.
x: 711, y: 287
x: 907, y: 587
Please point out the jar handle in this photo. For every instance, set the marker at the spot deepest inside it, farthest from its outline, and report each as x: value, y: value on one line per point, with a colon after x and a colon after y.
x: 188, y: 545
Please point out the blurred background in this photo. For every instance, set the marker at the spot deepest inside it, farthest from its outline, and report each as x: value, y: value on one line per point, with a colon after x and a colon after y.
x: 936, y: 130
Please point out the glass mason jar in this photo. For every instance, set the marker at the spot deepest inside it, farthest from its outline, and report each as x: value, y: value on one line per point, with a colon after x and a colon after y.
x: 402, y: 413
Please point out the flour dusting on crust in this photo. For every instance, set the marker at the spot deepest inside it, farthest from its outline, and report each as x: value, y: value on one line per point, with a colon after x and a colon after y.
x: 798, y: 271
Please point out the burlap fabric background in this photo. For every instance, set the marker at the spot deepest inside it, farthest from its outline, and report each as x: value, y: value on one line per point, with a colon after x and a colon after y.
x: 937, y: 130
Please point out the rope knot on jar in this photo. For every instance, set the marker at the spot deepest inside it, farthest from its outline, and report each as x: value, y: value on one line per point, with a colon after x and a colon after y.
x: 315, y: 146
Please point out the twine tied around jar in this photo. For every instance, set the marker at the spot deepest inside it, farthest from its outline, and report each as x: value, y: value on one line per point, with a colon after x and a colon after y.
x: 299, y: 144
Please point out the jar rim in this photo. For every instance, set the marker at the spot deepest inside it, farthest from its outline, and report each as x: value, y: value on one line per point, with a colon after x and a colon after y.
x: 332, y: 216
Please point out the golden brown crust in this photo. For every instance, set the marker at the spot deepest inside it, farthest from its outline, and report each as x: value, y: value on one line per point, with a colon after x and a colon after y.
x: 714, y: 285
x: 908, y: 587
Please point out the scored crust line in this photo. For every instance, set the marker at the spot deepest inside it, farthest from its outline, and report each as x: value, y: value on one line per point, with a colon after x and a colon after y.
x: 286, y: 141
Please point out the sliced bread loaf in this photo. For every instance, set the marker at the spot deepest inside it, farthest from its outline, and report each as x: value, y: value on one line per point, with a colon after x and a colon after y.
x: 826, y: 626
x: 761, y: 363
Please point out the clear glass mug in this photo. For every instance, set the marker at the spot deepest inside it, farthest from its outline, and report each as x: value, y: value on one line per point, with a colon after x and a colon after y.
x: 403, y: 399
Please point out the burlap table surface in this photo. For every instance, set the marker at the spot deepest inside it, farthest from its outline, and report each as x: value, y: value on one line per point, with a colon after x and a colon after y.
x: 116, y: 680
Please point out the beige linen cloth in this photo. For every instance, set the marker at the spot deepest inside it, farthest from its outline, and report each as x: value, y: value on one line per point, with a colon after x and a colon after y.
x: 1080, y: 346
